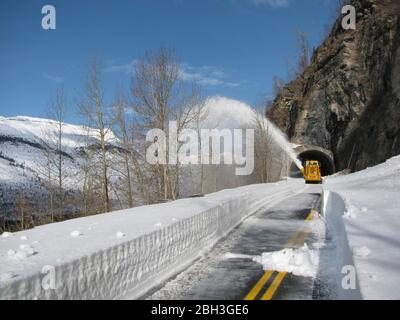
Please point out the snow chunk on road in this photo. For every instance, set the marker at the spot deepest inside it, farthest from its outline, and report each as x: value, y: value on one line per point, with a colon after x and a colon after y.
x: 6, y: 276
x: 27, y: 248
x: 229, y: 255
x: 6, y: 234
x: 361, y: 252
x: 76, y: 233
x: 24, y: 252
x: 11, y: 253
x: 301, y: 262
x: 351, y: 212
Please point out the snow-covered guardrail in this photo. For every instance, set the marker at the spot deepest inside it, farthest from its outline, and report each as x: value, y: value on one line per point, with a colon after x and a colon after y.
x: 123, y: 254
x: 336, y: 262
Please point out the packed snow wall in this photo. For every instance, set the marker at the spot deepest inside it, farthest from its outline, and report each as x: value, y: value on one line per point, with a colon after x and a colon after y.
x: 123, y: 254
x: 336, y: 266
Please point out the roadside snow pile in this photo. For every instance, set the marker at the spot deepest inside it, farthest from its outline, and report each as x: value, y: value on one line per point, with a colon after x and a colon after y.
x: 120, y: 234
x: 372, y: 224
x: 361, y: 252
x: 301, y: 262
x: 24, y: 252
x: 76, y: 233
x: 105, y: 263
x: 6, y: 276
x: 6, y: 234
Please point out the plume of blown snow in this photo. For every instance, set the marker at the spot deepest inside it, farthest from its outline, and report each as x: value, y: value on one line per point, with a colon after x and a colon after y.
x: 225, y: 113
x: 283, y: 142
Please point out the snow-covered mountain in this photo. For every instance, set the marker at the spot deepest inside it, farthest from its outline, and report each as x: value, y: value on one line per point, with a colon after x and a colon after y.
x: 23, y: 161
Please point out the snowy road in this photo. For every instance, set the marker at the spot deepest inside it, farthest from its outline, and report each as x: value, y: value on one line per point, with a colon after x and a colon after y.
x: 231, y: 271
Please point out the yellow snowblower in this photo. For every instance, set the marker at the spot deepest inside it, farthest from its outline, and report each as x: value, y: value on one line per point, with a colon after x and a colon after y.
x: 312, y: 172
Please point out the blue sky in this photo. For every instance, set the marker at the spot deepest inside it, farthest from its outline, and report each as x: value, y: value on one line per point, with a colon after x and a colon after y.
x: 232, y: 47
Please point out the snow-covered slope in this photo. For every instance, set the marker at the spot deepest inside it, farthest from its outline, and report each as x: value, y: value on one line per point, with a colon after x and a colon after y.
x: 372, y: 221
x: 35, y: 129
x: 23, y: 161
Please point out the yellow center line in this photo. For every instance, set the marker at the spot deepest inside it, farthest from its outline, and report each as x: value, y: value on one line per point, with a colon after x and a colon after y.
x: 298, y: 238
x: 274, y: 286
x: 259, y: 285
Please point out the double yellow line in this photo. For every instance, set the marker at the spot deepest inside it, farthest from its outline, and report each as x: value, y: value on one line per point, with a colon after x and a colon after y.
x: 297, y: 239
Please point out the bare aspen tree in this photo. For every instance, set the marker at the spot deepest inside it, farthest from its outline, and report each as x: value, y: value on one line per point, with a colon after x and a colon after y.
x: 304, y: 51
x: 153, y: 84
x: 3, y: 222
x: 86, y: 173
x: 57, y: 113
x: 201, y: 115
x: 160, y: 96
x: 46, y: 168
x: 140, y: 167
x: 263, y: 147
x: 278, y: 85
x: 189, y: 114
x: 48, y: 154
x: 121, y: 129
x: 22, y: 206
x: 94, y: 109
x: 51, y: 140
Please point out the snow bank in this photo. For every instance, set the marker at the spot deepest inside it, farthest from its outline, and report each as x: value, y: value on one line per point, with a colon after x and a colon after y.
x: 372, y: 223
x: 159, y: 241
x: 336, y: 253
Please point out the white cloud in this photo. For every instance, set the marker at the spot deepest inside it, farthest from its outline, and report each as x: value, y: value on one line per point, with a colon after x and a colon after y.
x: 126, y: 68
x: 52, y: 78
x: 206, y: 76
x: 272, y: 3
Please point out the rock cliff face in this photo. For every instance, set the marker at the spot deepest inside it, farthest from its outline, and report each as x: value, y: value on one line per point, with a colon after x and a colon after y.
x: 348, y: 99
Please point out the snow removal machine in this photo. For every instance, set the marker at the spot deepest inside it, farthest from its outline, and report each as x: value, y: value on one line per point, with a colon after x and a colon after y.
x: 312, y: 172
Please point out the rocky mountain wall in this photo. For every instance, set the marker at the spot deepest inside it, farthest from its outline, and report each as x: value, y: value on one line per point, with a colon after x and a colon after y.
x: 348, y: 99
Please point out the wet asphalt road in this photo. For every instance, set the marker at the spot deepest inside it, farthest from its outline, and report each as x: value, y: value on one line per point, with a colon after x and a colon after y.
x: 216, y: 278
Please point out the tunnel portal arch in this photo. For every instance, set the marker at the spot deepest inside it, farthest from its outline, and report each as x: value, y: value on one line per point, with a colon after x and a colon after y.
x: 325, y: 157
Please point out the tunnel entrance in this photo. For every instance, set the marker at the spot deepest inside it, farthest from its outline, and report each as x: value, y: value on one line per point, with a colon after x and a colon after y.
x: 327, y: 165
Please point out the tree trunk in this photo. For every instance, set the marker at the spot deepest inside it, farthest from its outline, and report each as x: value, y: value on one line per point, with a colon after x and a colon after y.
x: 106, y: 201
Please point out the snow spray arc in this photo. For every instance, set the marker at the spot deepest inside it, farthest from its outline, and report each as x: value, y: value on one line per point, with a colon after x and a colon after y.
x: 193, y: 147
